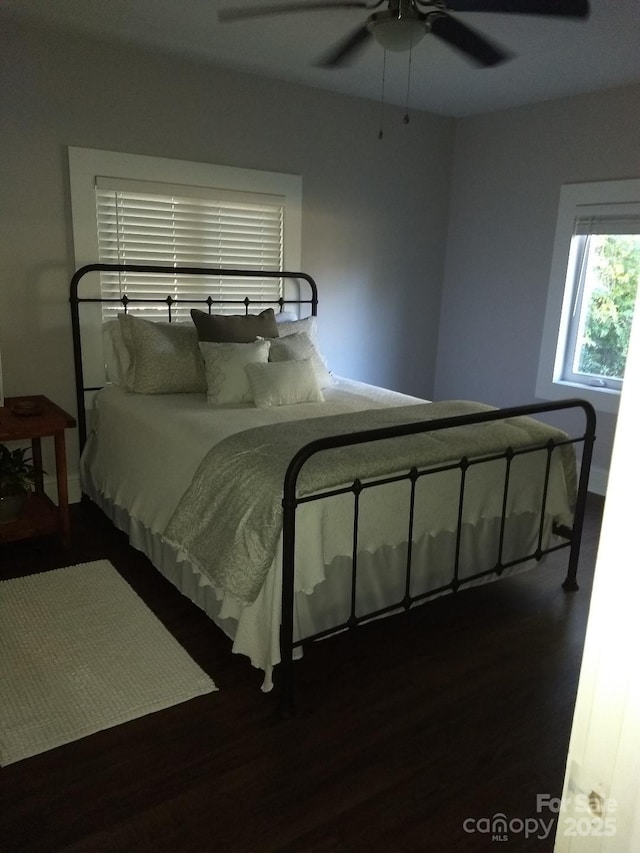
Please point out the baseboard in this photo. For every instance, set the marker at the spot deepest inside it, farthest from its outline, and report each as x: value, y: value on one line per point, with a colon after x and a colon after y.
x: 75, y: 492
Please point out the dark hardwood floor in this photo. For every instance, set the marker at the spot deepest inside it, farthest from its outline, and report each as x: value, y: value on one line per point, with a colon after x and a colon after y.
x: 407, y: 735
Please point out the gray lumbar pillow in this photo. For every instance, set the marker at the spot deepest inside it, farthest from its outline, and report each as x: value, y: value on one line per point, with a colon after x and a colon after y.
x: 236, y: 328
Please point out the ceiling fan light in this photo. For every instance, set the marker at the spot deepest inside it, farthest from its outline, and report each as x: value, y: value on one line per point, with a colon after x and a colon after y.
x: 398, y: 33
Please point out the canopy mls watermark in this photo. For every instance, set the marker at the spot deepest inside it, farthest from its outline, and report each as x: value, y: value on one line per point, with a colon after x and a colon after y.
x: 579, y: 815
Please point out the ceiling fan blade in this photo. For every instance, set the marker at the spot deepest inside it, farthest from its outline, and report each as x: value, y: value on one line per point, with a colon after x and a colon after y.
x: 564, y: 8
x: 346, y: 50
x: 467, y: 41
x: 241, y: 13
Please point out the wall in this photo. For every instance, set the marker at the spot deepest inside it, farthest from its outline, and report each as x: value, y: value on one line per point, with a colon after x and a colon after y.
x: 374, y: 212
x: 508, y: 170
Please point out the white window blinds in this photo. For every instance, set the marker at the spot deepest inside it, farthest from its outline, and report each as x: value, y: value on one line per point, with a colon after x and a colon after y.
x: 607, y: 225
x: 174, y: 226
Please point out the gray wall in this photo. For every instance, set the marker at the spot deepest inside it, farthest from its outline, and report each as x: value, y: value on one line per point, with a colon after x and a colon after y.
x: 508, y: 169
x: 374, y: 212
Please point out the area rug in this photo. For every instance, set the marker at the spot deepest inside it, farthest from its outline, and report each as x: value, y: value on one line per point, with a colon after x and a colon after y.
x: 81, y: 652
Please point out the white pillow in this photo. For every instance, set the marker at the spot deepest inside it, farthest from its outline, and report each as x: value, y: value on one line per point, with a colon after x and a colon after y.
x: 292, y: 327
x: 309, y: 325
x: 116, y: 354
x: 164, y: 357
x: 283, y: 383
x: 224, y: 365
x: 285, y: 317
x: 298, y: 347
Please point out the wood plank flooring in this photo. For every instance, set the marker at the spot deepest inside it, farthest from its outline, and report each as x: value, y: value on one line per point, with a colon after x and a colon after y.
x: 460, y: 710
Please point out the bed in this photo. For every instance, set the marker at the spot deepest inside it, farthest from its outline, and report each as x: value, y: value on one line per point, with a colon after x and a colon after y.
x: 289, y: 503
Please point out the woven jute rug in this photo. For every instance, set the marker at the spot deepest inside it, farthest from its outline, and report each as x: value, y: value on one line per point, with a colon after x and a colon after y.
x: 81, y: 652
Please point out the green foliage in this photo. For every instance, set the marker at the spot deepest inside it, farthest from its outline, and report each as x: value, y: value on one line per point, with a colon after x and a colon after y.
x: 17, y: 474
x: 610, y: 314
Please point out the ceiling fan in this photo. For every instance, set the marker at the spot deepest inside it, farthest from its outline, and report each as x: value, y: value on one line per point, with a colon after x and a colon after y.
x: 403, y: 23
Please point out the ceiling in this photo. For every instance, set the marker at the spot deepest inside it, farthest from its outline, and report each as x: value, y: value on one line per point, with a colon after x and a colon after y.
x: 552, y: 57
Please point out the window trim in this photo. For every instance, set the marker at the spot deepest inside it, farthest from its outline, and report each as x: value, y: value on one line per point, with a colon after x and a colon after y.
x: 87, y: 164
x: 577, y: 201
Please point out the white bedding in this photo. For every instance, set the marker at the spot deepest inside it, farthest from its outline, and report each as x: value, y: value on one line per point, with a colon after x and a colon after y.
x: 144, y: 451
x: 150, y: 445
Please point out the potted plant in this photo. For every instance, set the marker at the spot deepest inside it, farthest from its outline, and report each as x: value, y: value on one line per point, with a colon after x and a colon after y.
x: 17, y: 476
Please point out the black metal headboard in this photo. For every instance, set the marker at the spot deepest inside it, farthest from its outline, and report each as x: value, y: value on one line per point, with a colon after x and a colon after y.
x: 169, y: 301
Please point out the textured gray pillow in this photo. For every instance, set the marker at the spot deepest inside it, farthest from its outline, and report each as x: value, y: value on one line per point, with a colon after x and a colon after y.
x: 164, y: 357
x: 225, y: 363
x: 236, y: 328
x: 294, y: 327
x: 298, y: 347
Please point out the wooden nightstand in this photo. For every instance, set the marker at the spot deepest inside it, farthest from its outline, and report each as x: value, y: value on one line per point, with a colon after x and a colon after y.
x: 36, y: 418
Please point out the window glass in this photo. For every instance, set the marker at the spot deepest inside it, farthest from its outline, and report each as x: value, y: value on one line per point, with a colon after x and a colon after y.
x: 604, y: 279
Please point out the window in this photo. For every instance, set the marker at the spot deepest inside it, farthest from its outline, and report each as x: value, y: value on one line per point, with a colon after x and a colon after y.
x: 603, y: 280
x: 133, y: 209
x: 178, y: 226
x: 592, y: 292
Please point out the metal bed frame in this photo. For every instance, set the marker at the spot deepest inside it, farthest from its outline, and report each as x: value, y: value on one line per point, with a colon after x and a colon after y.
x: 570, y: 537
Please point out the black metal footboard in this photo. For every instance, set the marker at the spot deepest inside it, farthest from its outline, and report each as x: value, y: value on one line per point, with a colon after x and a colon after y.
x: 570, y: 537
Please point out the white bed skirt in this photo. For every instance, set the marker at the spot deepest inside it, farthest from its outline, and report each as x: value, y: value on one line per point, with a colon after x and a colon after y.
x: 254, y: 629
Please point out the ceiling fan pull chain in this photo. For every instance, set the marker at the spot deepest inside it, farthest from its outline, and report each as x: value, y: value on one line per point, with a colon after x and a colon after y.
x: 406, y: 114
x: 384, y: 70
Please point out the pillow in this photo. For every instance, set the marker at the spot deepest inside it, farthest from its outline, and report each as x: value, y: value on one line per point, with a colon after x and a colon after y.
x: 298, y: 347
x: 285, y: 316
x: 224, y: 364
x: 309, y: 325
x: 237, y: 328
x: 164, y: 357
x: 292, y: 327
x: 116, y: 354
x: 283, y: 383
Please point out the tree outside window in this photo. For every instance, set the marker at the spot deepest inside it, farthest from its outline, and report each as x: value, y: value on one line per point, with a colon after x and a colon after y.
x: 611, y: 268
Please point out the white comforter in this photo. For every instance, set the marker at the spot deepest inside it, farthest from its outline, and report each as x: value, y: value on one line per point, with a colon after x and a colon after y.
x: 230, y: 518
x: 144, y: 449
